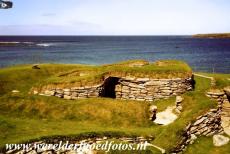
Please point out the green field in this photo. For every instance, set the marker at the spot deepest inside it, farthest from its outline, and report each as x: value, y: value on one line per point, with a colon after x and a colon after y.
x: 26, y: 117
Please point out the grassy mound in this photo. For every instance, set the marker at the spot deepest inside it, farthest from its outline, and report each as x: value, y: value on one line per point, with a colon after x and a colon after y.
x: 24, y: 117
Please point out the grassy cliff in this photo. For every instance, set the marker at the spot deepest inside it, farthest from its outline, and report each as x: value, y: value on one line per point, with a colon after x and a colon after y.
x: 214, y: 35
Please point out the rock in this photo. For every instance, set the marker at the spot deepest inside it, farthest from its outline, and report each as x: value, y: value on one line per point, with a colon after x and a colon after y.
x: 35, y: 92
x: 47, y: 152
x: 167, y: 91
x: 200, y: 121
x: 220, y: 140
x: 193, y: 129
x: 49, y: 93
x: 166, y: 117
x: 153, y: 108
x: 227, y: 90
x: 177, y: 111
x: 142, y: 79
x: 179, y: 108
x: 32, y: 152
x: 35, y: 66
x: 213, y: 110
x: 193, y: 137
x: 118, y: 88
x: 67, y: 97
x: 129, y: 78
x: 15, y: 91
x: 66, y: 90
x: 220, y: 93
x: 179, y: 99
x: 133, y: 85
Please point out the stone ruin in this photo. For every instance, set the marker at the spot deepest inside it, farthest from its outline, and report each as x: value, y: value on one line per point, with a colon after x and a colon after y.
x: 125, y: 88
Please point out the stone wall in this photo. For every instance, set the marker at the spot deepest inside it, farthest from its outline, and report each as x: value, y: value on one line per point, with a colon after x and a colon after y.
x: 208, y: 124
x: 141, y: 89
x: 74, y: 93
x: 145, y: 89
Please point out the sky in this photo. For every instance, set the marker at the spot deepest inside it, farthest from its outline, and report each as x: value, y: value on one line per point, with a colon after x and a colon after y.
x: 115, y: 17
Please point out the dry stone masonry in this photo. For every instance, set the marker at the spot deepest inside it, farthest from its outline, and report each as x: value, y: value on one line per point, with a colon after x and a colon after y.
x: 216, y: 121
x: 75, y: 92
x: 140, y: 89
x: 145, y: 89
x: 206, y: 125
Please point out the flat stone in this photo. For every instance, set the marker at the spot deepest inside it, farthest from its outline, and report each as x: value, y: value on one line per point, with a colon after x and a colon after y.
x: 177, y: 111
x: 220, y: 140
x: 179, y: 99
x: 216, y: 93
x: 129, y: 78
x: 49, y: 93
x: 142, y: 79
x: 15, y: 91
x: 125, y: 88
x: 167, y: 91
x: 66, y: 90
x: 179, y: 108
x: 136, y: 86
x: 200, y: 121
x: 67, y: 97
x: 140, y: 99
x: 166, y: 117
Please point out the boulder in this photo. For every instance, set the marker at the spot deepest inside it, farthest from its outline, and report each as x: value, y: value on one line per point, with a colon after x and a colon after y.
x: 220, y: 140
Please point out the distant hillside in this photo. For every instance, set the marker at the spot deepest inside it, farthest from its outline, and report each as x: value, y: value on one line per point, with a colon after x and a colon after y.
x: 214, y: 35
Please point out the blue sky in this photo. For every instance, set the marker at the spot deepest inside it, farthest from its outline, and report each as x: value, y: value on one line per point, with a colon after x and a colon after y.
x: 115, y: 17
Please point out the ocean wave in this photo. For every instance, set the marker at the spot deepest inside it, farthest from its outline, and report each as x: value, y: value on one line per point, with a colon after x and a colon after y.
x: 9, y: 42
x: 14, y: 43
x: 44, y: 44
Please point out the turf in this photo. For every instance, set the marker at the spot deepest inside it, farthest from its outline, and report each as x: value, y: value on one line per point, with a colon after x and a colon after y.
x: 25, y: 117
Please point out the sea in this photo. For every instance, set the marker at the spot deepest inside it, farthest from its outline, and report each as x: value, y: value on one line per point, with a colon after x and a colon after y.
x: 202, y: 54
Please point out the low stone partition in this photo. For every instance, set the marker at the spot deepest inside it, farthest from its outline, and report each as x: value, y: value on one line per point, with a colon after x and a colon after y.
x: 74, y: 93
x: 145, y: 89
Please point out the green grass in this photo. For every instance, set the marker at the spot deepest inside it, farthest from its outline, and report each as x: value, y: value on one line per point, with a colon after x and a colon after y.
x: 205, y: 145
x: 96, y: 74
x: 25, y: 117
x: 222, y: 80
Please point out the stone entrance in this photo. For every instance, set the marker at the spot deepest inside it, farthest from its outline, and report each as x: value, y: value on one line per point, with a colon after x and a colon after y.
x: 108, y: 87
